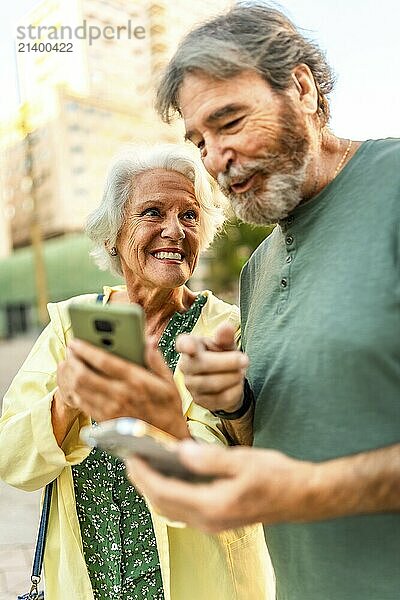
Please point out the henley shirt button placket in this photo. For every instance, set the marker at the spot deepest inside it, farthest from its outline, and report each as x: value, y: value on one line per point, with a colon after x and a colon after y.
x: 289, y: 240
x: 284, y: 282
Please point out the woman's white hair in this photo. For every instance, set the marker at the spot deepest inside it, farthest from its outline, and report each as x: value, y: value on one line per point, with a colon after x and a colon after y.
x: 105, y: 223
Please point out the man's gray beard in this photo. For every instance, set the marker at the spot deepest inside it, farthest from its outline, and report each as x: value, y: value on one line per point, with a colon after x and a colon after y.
x: 265, y: 206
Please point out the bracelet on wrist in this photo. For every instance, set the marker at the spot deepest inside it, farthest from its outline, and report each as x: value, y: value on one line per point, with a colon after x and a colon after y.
x: 248, y: 399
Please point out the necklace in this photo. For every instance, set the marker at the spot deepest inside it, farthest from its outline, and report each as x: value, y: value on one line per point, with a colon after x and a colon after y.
x: 342, y: 160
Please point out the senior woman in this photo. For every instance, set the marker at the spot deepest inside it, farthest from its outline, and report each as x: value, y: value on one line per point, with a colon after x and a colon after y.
x: 159, y: 210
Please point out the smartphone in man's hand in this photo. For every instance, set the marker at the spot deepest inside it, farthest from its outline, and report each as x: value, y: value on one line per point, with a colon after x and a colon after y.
x: 125, y: 437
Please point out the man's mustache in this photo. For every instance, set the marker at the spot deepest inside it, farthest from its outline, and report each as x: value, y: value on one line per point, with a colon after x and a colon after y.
x: 238, y: 173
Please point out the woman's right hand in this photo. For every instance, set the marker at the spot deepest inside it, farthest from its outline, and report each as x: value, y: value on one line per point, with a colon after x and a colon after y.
x: 65, y: 406
x: 106, y: 386
x: 66, y: 375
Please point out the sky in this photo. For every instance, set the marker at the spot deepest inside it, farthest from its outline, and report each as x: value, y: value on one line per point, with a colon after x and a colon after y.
x: 359, y: 37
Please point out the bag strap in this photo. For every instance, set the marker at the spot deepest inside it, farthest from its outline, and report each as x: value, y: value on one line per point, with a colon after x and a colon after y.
x: 41, y: 541
x: 44, y: 522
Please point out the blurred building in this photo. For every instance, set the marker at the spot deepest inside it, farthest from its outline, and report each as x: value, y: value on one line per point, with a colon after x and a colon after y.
x: 8, y: 136
x: 170, y: 20
x: 77, y: 109
x: 62, y: 163
x: 115, y: 67
x: 125, y: 45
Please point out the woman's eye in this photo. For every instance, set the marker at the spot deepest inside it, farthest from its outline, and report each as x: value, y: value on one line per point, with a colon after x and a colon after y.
x: 151, y: 212
x: 200, y: 145
x: 190, y: 214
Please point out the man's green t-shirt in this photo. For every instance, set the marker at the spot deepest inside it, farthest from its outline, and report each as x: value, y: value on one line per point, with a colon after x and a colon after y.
x: 320, y: 304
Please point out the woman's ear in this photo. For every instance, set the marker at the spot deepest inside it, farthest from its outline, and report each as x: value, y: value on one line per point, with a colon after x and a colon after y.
x: 112, y: 250
x: 306, y: 90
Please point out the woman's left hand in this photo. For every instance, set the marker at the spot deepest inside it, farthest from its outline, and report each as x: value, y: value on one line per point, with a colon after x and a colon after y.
x: 106, y: 386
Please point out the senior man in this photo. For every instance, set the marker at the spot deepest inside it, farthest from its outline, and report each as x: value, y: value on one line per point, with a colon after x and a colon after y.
x: 320, y: 302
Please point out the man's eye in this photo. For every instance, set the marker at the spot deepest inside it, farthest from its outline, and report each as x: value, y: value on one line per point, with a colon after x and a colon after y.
x: 200, y: 145
x: 232, y: 124
x: 150, y: 212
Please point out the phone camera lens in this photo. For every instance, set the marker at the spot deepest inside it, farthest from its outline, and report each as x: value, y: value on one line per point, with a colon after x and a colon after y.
x: 102, y: 325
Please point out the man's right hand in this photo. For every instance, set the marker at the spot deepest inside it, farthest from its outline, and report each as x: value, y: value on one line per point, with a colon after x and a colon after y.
x: 214, y: 370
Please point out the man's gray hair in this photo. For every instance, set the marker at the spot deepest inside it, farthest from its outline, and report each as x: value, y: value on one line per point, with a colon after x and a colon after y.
x: 105, y: 223
x: 250, y: 36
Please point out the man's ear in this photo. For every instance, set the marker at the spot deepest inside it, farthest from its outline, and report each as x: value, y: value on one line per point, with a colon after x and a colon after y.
x: 305, y: 89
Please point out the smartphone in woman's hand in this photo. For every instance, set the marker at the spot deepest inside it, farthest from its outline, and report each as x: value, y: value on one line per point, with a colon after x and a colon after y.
x: 118, y: 328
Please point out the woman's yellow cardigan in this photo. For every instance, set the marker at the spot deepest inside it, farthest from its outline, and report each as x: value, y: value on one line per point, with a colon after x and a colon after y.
x: 233, y: 565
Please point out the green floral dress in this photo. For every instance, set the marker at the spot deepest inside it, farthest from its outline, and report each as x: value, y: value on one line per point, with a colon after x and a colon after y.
x: 117, y: 533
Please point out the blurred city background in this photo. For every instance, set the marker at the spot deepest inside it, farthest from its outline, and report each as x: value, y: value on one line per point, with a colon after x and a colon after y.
x: 76, y: 110
x: 63, y: 115
x: 70, y: 112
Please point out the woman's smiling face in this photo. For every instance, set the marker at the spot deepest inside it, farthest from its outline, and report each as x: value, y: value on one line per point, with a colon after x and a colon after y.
x: 159, y: 241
